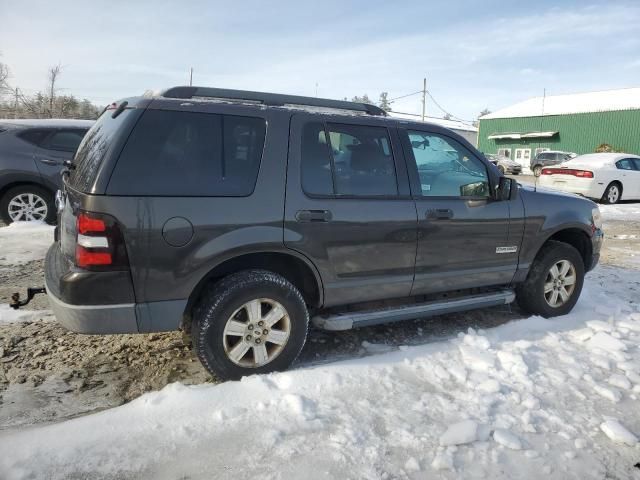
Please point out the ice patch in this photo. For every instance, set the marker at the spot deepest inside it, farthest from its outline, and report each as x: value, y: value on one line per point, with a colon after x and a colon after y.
x: 618, y: 433
x: 506, y: 438
x: 604, y: 341
x: 459, y: 433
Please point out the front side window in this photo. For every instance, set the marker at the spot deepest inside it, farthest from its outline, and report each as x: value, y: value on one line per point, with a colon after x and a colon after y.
x: 625, y: 164
x: 446, y: 168
x: 349, y: 160
x: 190, y: 154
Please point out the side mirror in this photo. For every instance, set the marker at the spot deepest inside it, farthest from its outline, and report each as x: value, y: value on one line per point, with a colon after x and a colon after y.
x: 507, y: 189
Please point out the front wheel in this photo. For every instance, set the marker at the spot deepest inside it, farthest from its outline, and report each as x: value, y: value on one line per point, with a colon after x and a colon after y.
x: 554, y: 282
x: 254, y: 321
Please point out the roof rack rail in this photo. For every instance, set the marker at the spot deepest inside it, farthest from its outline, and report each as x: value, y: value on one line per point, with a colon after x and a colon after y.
x: 273, y: 99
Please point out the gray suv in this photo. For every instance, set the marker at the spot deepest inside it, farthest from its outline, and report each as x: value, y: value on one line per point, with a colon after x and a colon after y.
x: 240, y: 217
x: 548, y: 158
x: 32, y: 153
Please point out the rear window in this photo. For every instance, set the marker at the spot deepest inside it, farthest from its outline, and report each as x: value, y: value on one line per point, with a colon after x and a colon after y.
x: 172, y: 153
x: 93, y: 149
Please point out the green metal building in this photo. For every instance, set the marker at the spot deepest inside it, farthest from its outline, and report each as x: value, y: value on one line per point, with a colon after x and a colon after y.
x: 572, y: 123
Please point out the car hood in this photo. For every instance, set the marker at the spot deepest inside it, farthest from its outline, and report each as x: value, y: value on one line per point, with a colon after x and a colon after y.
x: 549, y: 202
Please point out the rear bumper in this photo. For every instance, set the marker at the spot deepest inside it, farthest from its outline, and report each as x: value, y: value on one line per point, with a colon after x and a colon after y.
x: 96, y: 319
x: 89, y: 302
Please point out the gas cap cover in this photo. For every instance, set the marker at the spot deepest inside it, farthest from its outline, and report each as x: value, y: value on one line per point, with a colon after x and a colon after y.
x: 177, y: 231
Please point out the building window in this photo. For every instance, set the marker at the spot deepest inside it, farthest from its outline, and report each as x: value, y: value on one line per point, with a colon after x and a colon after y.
x: 505, y: 152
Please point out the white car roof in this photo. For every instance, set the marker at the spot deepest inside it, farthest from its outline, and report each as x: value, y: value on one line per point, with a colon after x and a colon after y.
x: 600, y: 158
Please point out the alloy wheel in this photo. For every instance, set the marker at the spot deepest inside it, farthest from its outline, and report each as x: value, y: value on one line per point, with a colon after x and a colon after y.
x: 613, y: 194
x: 560, y: 283
x: 256, y: 333
x: 27, y: 207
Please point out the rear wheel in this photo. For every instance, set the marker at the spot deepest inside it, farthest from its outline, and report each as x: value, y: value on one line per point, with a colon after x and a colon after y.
x: 612, y: 193
x: 253, y: 321
x: 27, y: 203
x: 554, y: 282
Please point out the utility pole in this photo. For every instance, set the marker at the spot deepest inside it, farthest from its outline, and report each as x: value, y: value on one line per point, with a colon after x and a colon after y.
x: 424, y: 98
x: 191, y: 76
x: 15, y: 105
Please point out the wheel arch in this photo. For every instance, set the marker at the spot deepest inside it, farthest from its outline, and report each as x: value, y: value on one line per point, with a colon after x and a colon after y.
x: 578, y: 239
x: 294, y: 267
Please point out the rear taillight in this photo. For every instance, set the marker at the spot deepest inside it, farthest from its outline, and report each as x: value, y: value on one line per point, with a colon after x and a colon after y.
x: 567, y: 171
x: 99, y: 243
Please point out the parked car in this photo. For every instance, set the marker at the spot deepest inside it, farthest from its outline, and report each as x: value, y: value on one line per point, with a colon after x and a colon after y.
x: 605, y: 177
x: 191, y: 214
x: 505, y: 165
x: 548, y: 158
x: 31, y: 156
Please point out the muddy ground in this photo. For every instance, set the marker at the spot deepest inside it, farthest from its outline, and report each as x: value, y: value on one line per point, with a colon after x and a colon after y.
x: 48, y: 374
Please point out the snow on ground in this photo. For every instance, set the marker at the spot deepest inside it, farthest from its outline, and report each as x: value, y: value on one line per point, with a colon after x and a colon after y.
x: 9, y: 315
x: 621, y: 211
x: 557, y: 398
x: 23, y: 242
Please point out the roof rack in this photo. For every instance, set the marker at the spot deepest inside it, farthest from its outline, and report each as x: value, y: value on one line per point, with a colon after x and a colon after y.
x: 272, y: 99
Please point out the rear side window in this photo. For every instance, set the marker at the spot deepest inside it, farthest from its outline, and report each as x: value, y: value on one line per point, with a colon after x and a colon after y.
x: 34, y: 136
x: 190, y: 154
x: 65, y: 140
x: 625, y: 164
x: 349, y: 160
x: 93, y: 149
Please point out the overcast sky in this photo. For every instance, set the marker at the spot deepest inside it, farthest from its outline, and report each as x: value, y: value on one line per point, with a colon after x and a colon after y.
x: 474, y: 54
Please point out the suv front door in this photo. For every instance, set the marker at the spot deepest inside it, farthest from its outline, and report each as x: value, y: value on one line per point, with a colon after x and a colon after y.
x: 349, y: 209
x: 464, y: 236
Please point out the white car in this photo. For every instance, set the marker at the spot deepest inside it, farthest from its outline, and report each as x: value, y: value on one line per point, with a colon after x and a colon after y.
x: 605, y: 177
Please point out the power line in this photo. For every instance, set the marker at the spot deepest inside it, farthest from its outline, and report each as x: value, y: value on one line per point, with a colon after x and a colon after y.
x: 404, y: 96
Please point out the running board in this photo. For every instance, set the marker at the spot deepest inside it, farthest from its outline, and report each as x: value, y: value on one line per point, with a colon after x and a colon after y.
x: 349, y: 320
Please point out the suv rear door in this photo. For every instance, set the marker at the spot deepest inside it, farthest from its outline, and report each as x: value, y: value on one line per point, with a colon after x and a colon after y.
x: 59, y: 145
x: 464, y: 237
x: 348, y: 207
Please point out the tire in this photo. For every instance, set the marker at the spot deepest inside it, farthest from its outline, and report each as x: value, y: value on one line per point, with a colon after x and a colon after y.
x: 531, y: 294
x: 501, y: 169
x: 537, y: 170
x: 225, y: 310
x: 612, y: 193
x: 42, y: 204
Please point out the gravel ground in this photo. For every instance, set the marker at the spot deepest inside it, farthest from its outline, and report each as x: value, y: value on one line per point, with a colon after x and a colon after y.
x: 59, y: 374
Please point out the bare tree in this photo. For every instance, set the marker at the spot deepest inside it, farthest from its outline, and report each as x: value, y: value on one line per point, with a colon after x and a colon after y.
x: 54, y: 73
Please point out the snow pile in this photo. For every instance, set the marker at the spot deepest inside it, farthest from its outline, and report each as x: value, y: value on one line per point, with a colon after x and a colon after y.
x: 23, y: 242
x: 557, y: 398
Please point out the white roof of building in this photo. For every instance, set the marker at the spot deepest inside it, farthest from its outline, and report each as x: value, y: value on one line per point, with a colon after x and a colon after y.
x: 602, y: 101
x: 451, y: 124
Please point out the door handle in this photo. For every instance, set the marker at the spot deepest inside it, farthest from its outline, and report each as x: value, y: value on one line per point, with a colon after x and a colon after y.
x: 49, y: 161
x: 439, y: 214
x: 313, y: 215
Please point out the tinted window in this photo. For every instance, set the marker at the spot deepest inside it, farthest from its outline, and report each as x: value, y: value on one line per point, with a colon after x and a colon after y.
x: 362, y: 160
x: 636, y: 161
x: 625, y: 164
x: 190, y: 154
x: 93, y: 148
x: 66, y: 140
x: 316, y: 160
x: 446, y: 168
x: 34, y: 136
x: 546, y: 156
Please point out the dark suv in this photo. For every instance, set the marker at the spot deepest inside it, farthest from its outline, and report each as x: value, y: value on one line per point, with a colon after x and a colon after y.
x: 239, y: 216
x: 548, y: 158
x: 31, y: 156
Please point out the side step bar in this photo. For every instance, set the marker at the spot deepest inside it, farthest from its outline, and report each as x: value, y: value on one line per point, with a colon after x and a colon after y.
x: 349, y: 320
